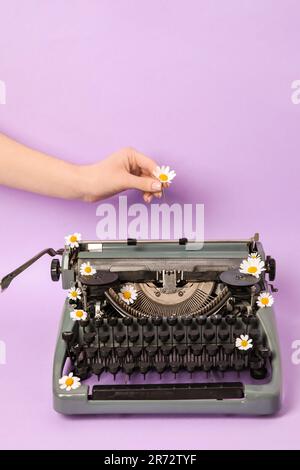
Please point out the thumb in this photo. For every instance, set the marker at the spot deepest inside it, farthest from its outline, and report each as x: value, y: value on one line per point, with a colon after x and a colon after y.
x: 144, y: 183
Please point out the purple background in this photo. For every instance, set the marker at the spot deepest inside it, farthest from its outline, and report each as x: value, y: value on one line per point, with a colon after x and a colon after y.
x: 204, y: 86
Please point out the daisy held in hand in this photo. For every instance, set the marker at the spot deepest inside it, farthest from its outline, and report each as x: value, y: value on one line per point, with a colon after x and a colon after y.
x: 164, y: 174
x: 69, y: 382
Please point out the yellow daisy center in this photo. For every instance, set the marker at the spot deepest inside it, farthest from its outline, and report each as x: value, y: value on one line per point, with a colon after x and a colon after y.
x: 163, y: 177
x: 252, y: 269
x: 87, y: 269
x: 69, y: 382
x: 127, y: 294
x: 79, y: 313
x: 73, y: 238
x: 74, y: 294
x: 244, y: 343
x: 264, y: 300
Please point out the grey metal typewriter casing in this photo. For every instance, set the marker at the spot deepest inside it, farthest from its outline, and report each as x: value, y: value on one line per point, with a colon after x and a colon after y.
x: 150, y: 261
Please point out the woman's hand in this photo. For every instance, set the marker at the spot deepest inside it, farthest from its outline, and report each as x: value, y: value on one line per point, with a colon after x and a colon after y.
x: 125, y: 169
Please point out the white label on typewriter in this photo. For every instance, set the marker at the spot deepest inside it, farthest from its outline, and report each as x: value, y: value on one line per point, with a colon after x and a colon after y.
x: 94, y: 246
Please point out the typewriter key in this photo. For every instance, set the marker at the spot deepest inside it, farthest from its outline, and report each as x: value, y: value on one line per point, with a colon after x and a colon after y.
x: 84, y: 323
x: 228, y: 348
x: 201, y: 320
x: 112, y: 321
x: 103, y: 337
x: 133, y: 336
x: 120, y: 337
x: 223, y: 365
x: 121, y: 352
x: 253, y: 321
x: 264, y: 352
x: 254, y: 334
x: 191, y: 367
x: 166, y: 350
x: 105, y: 352
x: 209, y: 334
x: 91, y: 352
x: 98, y: 369
x: 157, y: 321
x: 82, y: 372
x: 129, y: 368
x: 89, y: 337
x: 151, y: 350
x: 193, y: 335
x: 135, y: 351
x: 223, y: 334
x: 172, y: 321
x: 230, y: 319
x: 160, y: 367
x: 67, y: 336
x: 238, y: 365
x: 259, y: 374
x: 127, y: 321
x: 164, y: 336
x: 99, y: 321
x: 197, y: 349
x: 179, y: 335
x: 148, y: 336
x: 212, y: 349
x: 216, y: 319
x: 175, y: 367
x: 207, y: 366
x: 144, y: 368
x: 181, y: 349
x: 114, y: 368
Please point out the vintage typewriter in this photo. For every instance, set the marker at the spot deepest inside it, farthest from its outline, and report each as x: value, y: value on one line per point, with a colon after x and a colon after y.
x: 164, y: 327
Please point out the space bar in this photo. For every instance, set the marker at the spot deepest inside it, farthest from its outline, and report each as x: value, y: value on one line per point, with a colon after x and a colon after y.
x: 192, y: 391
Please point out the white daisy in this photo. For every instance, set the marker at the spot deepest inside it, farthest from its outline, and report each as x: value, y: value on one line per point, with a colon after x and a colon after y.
x: 265, y: 300
x: 164, y: 174
x: 253, y: 266
x: 69, y: 382
x: 74, y: 293
x: 128, y: 294
x: 78, y: 315
x: 73, y: 240
x: 254, y: 255
x: 87, y: 270
x: 243, y: 343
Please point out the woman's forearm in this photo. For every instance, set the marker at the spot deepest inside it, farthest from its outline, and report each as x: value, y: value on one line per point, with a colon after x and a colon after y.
x: 24, y: 168
x: 31, y: 170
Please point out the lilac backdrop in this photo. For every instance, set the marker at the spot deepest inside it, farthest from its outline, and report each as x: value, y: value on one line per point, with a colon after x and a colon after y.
x: 204, y: 86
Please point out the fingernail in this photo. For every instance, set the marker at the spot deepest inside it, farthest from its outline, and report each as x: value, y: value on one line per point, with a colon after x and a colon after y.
x: 156, y: 186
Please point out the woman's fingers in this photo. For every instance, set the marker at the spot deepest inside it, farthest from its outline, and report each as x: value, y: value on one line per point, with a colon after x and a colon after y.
x: 138, y: 159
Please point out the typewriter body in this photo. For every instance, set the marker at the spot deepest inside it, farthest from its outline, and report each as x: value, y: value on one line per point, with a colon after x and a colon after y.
x: 172, y: 349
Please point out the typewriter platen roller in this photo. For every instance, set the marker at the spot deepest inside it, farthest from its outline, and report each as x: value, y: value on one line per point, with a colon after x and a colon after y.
x: 165, y: 327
